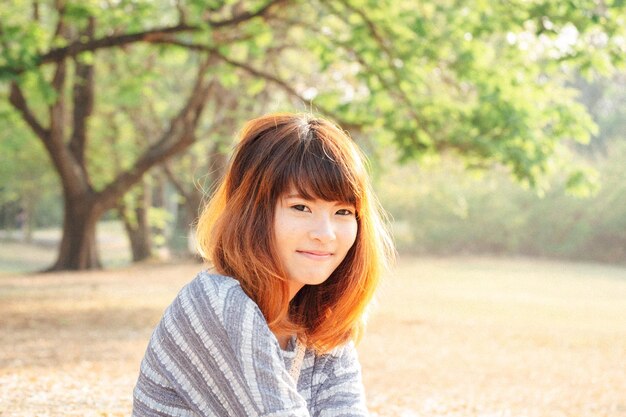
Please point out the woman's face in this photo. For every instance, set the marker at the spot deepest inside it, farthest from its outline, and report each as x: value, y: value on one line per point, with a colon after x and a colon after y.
x: 312, y: 237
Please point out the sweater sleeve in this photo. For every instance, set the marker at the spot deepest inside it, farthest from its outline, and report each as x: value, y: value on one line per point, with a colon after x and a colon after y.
x: 213, y: 354
x: 340, y: 391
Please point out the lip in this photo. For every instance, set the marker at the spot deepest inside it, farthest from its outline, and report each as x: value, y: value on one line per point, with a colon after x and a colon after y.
x: 315, y: 255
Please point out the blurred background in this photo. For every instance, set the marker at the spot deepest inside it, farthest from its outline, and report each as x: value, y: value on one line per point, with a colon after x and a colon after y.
x: 495, y: 133
x: 492, y: 128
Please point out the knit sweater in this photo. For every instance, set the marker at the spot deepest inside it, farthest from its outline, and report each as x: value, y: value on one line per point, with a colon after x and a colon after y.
x: 213, y: 354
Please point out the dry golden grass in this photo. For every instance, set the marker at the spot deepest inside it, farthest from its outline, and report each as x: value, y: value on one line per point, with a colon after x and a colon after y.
x: 450, y: 337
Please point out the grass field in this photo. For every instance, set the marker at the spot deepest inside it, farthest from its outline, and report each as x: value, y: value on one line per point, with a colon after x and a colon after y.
x: 449, y: 337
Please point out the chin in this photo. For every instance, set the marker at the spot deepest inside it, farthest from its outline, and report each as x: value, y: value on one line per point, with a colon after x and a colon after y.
x: 314, y: 280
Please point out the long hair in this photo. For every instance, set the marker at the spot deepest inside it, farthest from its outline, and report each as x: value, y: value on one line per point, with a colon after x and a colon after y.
x: 235, y: 230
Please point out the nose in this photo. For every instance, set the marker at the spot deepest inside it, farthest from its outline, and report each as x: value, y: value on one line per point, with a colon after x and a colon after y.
x: 323, y: 229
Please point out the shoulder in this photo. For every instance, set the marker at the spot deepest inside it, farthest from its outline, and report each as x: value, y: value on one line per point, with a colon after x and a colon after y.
x: 216, y: 288
x: 212, y: 297
x: 206, y: 283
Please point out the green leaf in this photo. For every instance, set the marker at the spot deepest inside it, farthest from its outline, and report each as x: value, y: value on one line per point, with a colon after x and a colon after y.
x: 228, y: 78
x: 583, y: 183
x: 256, y: 86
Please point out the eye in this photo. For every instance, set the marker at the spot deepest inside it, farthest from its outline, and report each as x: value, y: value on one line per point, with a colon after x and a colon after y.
x: 300, y: 207
x: 345, y: 212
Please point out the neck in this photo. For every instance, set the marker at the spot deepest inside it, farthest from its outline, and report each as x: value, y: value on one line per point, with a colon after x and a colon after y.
x: 294, y: 287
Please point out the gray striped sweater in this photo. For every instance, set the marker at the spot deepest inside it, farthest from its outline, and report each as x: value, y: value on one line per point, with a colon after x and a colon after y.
x: 213, y: 354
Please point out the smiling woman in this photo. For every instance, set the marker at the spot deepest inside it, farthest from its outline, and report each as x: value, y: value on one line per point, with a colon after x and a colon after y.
x: 312, y: 237
x: 295, y: 243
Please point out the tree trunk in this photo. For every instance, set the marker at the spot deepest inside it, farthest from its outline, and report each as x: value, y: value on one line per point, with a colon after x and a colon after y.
x: 140, y: 244
x: 78, y: 249
x: 179, y: 241
x: 29, y: 221
x: 218, y: 162
x: 186, y: 216
x: 159, y: 229
x: 138, y: 228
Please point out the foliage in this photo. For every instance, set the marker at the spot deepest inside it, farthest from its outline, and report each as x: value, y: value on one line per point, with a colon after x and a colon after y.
x: 440, y: 209
x: 605, y: 100
x: 483, y: 79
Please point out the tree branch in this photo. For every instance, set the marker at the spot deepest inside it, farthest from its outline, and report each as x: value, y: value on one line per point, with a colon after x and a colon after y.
x: 17, y: 99
x: 395, y: 89
x: 36, y: 11
x: 258, y: 73
x: 172, y: 178
x: 60, y: 30
x: 179, y: 136
x: 62, y: 160
x: 56, y: 110
x: 247, y: 15
x: 261, y: 74
x: 287, y: 88
x: 246, y: 67
x: 182, y: 15
x: 78, y: 47
x: 83, y: 97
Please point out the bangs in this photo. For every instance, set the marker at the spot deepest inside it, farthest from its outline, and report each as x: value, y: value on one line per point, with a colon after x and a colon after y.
x: 319, y: 169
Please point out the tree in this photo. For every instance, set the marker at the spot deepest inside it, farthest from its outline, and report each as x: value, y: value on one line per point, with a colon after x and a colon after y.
x: 485, y: 80
x: 76, y: 30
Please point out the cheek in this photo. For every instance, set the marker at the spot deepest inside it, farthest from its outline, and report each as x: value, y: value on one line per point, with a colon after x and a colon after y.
x: 284, y: 229
x: 349, y: 233
x: 279, y: 231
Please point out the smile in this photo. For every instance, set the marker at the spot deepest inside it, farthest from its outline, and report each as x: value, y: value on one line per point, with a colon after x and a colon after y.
x: 315, y: 255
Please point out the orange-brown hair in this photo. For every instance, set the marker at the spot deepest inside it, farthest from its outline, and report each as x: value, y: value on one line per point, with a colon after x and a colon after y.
x: 235, y: 230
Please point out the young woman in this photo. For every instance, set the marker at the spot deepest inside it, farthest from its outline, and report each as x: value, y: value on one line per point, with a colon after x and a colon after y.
x: 296, y: 245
